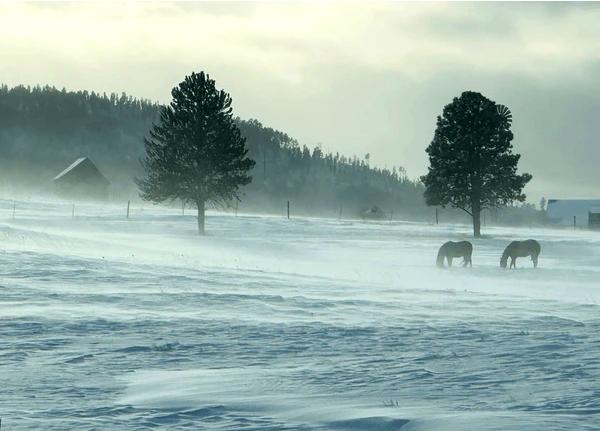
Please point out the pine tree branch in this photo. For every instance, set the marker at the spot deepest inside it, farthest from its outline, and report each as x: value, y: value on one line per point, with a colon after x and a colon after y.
x: 468, y: 212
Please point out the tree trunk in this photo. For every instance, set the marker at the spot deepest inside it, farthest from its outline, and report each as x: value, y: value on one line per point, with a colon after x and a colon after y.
x: 476, y: 223
x: 200, y: 217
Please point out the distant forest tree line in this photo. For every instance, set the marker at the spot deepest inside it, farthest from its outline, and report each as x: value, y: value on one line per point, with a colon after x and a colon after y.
x: 43, y: 129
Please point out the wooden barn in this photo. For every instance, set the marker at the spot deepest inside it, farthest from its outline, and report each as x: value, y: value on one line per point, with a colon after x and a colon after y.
x: 81, y: 180
x: 594, y: 218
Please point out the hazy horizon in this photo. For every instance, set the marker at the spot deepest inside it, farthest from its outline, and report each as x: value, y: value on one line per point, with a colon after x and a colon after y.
x: 355, y: 77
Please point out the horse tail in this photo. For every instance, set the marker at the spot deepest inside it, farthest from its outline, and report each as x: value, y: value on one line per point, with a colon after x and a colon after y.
x: 538, y: 248
x: 469, y: 253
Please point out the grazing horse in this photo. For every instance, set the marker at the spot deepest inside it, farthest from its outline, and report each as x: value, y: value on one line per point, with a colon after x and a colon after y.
x: 451, y: 249
x: 516, y: 249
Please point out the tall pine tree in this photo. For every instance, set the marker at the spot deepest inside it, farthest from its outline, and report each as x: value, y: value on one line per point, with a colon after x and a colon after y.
x: 196, y: 152
x: 472, y: 166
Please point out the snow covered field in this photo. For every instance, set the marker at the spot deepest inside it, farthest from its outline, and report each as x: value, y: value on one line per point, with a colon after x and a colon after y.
x: 302, y: 324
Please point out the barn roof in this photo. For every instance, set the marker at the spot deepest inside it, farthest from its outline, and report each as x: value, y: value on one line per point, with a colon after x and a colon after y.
x: 85, y: 166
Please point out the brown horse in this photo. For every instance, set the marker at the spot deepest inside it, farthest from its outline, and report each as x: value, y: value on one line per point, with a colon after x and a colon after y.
x: 516, y: 249
x: 451, y: 249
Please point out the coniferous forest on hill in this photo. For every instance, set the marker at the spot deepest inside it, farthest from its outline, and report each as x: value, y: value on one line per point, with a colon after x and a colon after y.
x: 44, y: 129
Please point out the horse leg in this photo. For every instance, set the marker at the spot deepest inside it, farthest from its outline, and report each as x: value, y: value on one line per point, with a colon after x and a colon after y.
x: 513, y: 262
x: 535, y: 261
x: 450, y: 261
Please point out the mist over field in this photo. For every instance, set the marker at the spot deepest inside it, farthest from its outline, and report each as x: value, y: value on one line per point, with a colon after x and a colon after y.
x: 299, y: 216
x: 271, y: 324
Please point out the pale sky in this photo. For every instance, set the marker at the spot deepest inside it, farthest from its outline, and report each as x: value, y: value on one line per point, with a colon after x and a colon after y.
x: 355, y: 77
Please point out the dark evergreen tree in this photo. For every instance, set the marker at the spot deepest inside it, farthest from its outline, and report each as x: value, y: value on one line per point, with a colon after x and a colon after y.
x: 472, y: 166
x: 196, y: 152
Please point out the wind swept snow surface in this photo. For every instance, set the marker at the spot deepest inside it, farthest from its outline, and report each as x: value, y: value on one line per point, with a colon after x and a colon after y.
x: 302, y: 324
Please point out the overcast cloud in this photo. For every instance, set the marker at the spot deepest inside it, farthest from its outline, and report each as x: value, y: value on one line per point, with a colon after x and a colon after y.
x: 358, y: 78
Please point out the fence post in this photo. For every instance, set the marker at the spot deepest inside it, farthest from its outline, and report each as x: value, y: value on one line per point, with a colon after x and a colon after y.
x: 288, y: 209
x: 14, y: 209
x: 437, y: 220
x: 574, y: 222
x: 182, y: 208
x: 128, y: 202
x: 73, y: 211
x: 236, y: 207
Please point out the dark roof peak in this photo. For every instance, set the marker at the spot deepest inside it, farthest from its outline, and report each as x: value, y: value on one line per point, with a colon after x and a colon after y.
x: 82, y: 165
